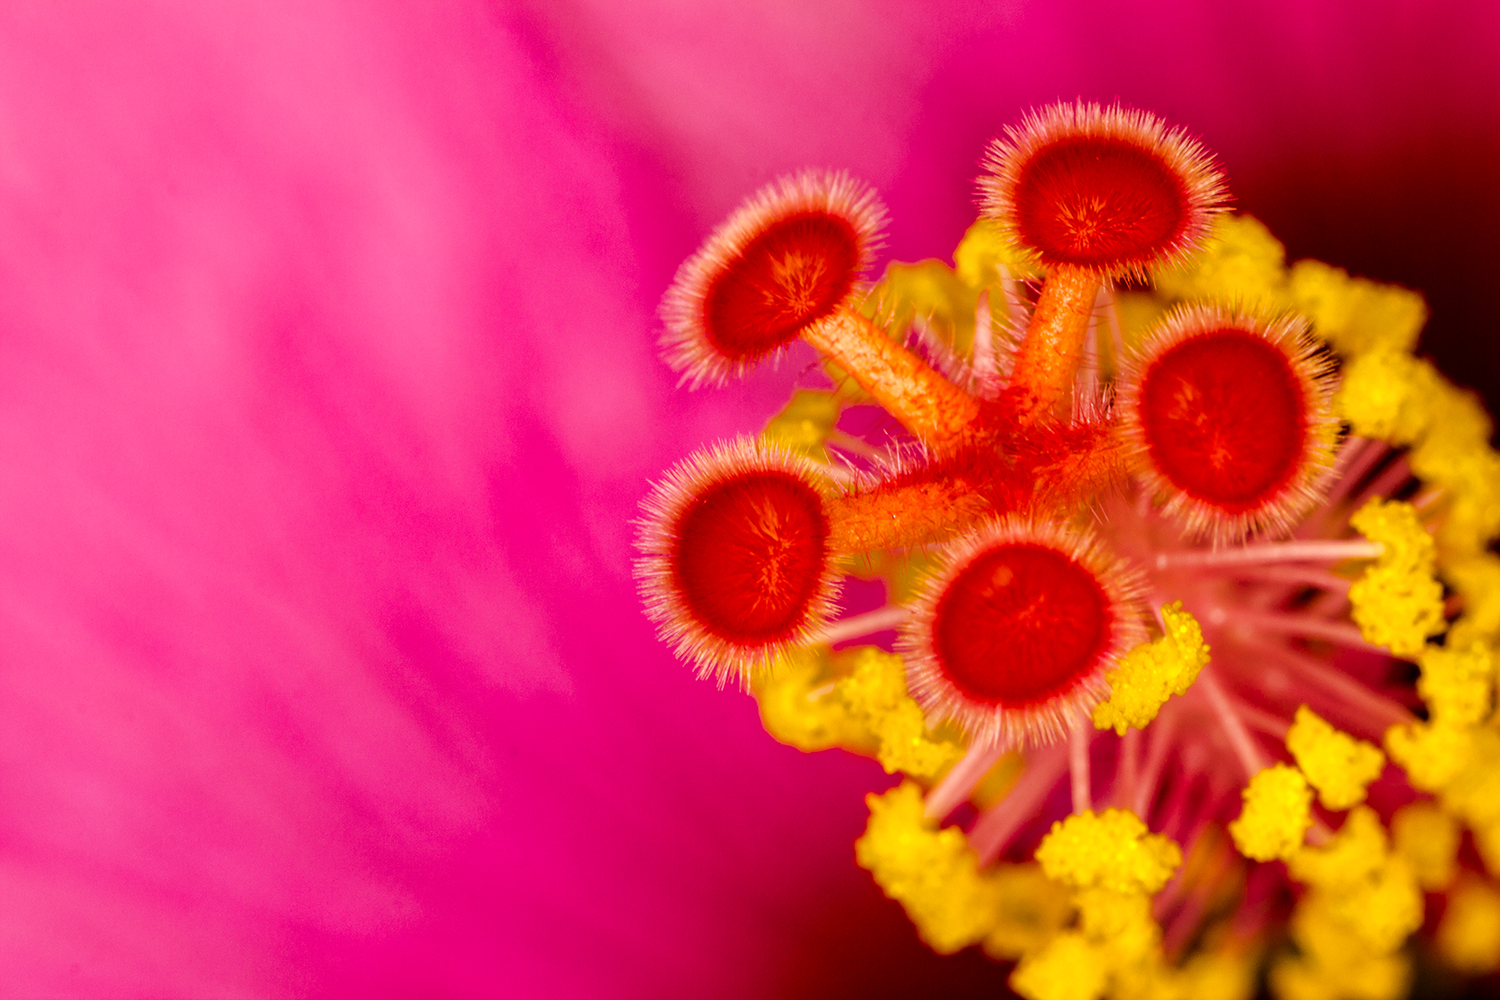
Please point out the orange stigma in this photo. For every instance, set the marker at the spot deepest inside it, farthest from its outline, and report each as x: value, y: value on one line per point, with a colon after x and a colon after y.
x: 1010, y: 638
x: 787, y: 265
x: 1091, y: 193
x: 737, y: 565
x: 1230, y: 420
x: 788, y: 257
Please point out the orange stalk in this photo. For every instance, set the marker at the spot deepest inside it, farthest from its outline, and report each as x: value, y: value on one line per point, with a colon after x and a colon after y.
x: 928, y: 405
x: 903, y: 516
x: 1048, y: 358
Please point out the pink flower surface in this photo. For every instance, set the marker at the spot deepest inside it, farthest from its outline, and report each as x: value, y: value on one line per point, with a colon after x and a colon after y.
x: 328, y: 389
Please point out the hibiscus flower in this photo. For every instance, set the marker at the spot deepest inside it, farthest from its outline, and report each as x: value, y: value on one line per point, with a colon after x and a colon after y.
x: 330, y: 388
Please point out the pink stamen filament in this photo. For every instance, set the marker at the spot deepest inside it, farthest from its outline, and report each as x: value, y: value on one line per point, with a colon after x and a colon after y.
x: 857, y: 626
x: 996, y: 826
x: 1296, y: 576
x: 1128, y: 771
x: 1355, y: 459
x: 1079, y: 739
x: 1338, y: 633
x: 1273, y: 726
x: 1273, y: 552
x: 1162, y: 731
x: 1252, y: 758
x: 961, y: 780
x: 1351, y: 694
x: 1389, y: 480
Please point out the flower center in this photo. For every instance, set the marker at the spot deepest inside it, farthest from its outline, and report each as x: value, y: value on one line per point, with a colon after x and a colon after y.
x: 1099, y: 202
x: 1020, y: 624
x: 796, y: 271
x: 750, y: 555
x: 1224, y: 418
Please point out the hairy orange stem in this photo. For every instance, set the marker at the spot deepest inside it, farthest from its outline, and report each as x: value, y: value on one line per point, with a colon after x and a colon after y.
x: 1048, y: 358
x: 903, y: 516
x: 928, y: 405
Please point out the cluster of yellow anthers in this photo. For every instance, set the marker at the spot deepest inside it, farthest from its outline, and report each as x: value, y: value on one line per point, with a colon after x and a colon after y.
x: 1119, y: 397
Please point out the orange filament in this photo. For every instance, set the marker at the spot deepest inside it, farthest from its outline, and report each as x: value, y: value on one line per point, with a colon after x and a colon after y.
x: 903, y: 516
x: 928, y: 405
x: 1048, y: 358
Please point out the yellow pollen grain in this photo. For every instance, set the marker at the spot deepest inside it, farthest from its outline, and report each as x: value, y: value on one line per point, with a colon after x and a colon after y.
x: 1276, y: 815
x: 1111, y: 850
x: 1432, y: 754
x: 876, y: 693
x: 1473, y: 794
x: 1354, y: 854
x: 1477, y: 581
x: 1398, y: 602
x: 1241, y: 264
x: 856, y: 699
x: 1457, y: 683
x: 1468, y: 939
x: 1152, y: 672
x: 1069, y: 967
x: 935, y: 876
x: 1428, y: 839
x: 1386, y: 394
x: 1356, y: 315
x: 1339, y: 766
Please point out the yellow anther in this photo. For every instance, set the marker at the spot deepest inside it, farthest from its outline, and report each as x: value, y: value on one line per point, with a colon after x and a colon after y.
x: 1474, y: 793
x: 1384, y: 909
x: 936, y: 877
x: 1111, y: 850
x: 876, y: 694
x: 1335, y: 763
x: 1030, y: 910
x: 1368, y: 977
x: 1469, y: 936
x: 1353, y: 314
x: 800, y: 706
x: 803, y: 425
x: 1397, y: 603
x: 1152, y: 672
x: 1120, y: 921
x: 856, y: 699
x: 985, y: 249
x: 1240, y: 264
x: 1433, y: 755
x: 1457, y: 683
x: 1353, y: 856
x: 1276, y: 815
x: 1218, y: 975
x: 1069, y: 968
x: 1477, y: 581
x: 1455, y: 454
x: 1428, y: 839
x: 1387, y: 394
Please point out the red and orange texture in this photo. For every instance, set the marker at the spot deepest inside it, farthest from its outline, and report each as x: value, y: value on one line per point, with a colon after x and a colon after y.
x: 329, y: 387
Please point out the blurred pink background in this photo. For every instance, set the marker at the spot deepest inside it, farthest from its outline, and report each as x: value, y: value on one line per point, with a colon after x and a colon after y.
x: 328, y: 389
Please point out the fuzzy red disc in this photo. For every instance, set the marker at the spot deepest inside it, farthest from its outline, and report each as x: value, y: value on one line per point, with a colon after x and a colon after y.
x: 1098, y: 201
x: 1224, y: 418
x: 796, y: 271
x: 1020, y: 624
x: 750, y: 554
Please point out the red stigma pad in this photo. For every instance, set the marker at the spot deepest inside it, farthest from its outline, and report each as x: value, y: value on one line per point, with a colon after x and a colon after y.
x: 1099, y: 202
x: 796, y: 271
x: 1020, y: 624
x: 750, y: 555
x: 1224, y: 419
